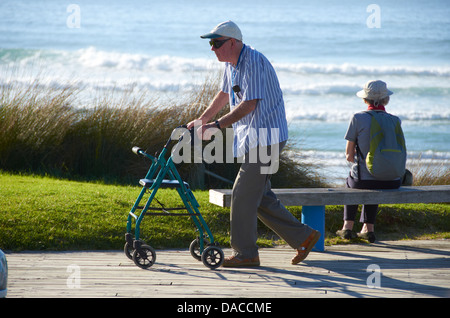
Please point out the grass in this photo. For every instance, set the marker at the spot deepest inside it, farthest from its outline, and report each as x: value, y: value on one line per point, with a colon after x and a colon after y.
x: 429, y: 173
x: 45, y: 213
x: 54, y: 131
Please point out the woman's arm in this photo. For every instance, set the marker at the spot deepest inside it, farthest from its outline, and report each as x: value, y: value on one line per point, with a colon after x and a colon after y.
x: 350, y: 151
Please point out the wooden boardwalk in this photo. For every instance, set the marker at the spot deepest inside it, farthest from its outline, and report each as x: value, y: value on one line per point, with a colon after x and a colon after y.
x: 406, y: 269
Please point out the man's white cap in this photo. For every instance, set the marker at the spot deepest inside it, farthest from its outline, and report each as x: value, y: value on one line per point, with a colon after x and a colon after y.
x: 227, y: 29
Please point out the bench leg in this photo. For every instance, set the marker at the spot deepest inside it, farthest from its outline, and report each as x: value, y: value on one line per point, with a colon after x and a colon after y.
x: 314, y: 217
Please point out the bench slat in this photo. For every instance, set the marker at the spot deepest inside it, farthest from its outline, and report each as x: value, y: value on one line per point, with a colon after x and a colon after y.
x: 342, y: 196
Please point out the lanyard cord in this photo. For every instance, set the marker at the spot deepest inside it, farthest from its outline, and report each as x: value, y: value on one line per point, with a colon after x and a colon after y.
x: 233, y: 74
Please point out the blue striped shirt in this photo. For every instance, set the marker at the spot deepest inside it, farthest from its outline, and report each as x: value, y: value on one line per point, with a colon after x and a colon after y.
x: 256, y: 78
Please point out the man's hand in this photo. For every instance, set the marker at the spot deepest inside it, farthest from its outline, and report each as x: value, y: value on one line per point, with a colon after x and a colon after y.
x: 193, y: 123
x: 205, y: 132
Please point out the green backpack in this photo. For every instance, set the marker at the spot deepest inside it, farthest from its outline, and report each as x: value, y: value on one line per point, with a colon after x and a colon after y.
x: 386, y: 159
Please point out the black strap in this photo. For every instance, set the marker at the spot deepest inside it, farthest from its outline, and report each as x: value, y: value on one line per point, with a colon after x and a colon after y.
x: 358, y: 150
x: 358, y: 155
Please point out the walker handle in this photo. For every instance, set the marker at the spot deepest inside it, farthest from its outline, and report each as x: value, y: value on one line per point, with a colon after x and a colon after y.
x: 141, y: 152
x: 138, y: 150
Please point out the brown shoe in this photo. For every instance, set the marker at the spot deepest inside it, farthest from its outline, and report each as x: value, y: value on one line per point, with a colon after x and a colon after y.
x: 306, y: 247
x: 234, y: 261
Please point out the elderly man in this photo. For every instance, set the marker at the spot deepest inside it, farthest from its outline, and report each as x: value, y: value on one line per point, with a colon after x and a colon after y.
x: 250, y: 85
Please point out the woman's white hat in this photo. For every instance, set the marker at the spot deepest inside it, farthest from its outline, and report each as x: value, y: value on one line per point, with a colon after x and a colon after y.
x: 374, y: 90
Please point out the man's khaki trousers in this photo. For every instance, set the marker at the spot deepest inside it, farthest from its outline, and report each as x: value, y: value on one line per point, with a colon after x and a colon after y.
x: 253, y: 198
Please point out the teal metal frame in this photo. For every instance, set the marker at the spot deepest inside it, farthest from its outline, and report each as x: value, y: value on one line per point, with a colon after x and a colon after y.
x: 163, y: 173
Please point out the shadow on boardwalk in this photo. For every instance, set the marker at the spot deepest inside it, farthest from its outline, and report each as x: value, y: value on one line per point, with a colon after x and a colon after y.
x: 384, y: 269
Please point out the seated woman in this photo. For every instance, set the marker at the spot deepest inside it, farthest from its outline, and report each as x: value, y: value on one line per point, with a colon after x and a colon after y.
x: 376, y: 95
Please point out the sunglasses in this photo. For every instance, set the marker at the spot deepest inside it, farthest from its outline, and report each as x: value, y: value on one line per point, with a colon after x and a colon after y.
x: 217, y: 43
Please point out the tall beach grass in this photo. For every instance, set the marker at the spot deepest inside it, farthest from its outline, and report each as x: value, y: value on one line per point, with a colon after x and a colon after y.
x: 59, y: 132
x: 56, y: 131
x: 429, y: 172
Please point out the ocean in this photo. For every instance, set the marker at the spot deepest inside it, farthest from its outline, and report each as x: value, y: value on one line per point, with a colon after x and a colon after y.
x: 323, y: 51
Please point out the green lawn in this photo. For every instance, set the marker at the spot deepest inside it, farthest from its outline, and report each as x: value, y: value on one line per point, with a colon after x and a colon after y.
x: 41, y: 213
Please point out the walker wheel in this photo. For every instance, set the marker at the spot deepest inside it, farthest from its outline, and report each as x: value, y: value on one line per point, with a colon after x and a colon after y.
x: 194, y: 248
x: 212, y: 257
x: 144, y: 256
x: 128, y: 249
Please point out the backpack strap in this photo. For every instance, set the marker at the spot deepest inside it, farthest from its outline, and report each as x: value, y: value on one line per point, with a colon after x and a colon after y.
x: 358, y: 150
x: 358, y: 155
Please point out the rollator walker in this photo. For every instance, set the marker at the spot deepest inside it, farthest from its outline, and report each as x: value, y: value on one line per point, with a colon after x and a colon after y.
x: 163, y: 174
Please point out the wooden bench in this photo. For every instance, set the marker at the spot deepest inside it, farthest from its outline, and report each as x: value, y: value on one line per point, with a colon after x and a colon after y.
x: 314, y: 200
